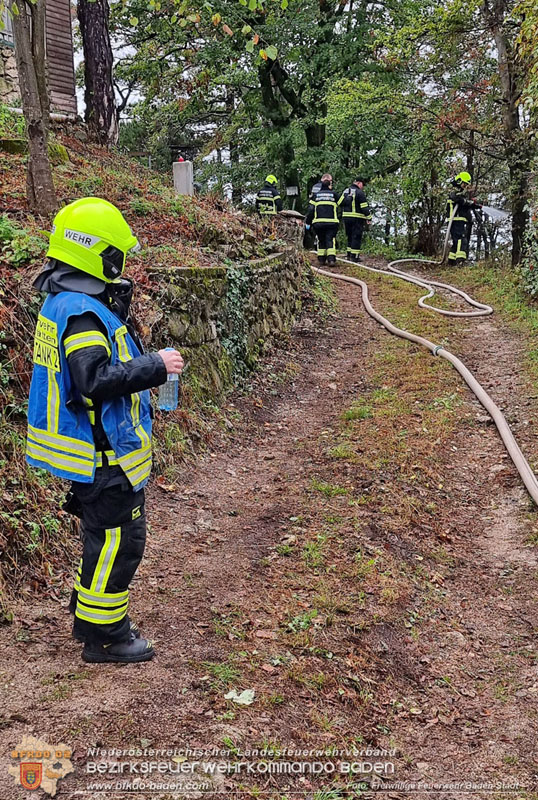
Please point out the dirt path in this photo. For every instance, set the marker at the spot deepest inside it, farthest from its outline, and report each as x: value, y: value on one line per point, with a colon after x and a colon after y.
x: 363, y: 610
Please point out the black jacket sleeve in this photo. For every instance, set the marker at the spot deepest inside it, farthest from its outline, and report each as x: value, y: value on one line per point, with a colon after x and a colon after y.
x: 310, y: 213
x: 364, y: 206
x: 278, y: 200
x: 97, y: 379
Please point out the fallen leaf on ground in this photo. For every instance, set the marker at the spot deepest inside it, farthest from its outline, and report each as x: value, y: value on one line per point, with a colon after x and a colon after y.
x: 246, y: 698
x: 261, y: 634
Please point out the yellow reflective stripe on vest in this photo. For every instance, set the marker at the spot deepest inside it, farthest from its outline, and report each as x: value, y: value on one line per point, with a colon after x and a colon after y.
x: 76, y: 585
x: 134, y: 458
x: 110, y: 457
x: 140, y: 473
x: 135, y: 416
x: 123, y: 350
x: 106, y: 559
x: 331, y: 203
x: 124, y: 355
x: 66, y: 463
x: 53, y: 402
x: 59, y: 442
x: 87, y: 339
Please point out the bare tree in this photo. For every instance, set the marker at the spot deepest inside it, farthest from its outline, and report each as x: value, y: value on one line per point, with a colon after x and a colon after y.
x: 101, y: 112
x: 29, y: 33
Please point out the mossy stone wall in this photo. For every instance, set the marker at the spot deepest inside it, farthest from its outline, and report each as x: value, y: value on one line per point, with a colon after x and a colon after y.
x: 222, y: 318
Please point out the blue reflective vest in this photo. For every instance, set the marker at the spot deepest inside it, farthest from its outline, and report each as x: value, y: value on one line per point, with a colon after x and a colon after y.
x: 60, y: 436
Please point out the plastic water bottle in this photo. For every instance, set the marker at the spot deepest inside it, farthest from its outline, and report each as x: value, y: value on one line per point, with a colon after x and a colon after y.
x: 168, y: 392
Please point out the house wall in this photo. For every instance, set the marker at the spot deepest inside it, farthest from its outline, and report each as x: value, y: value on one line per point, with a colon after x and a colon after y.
x: 61, y: 69
x: 60, y: 57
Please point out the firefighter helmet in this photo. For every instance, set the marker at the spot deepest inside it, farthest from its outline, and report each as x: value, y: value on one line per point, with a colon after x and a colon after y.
x: 92, y: 235
x: 463, y: 177
x: 271, y: 179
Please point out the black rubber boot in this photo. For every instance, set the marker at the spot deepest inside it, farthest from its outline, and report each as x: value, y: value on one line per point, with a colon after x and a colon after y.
x: 129, y: 652
x: 331, y: 260
x: 322, y: 260
x: 350, y: 257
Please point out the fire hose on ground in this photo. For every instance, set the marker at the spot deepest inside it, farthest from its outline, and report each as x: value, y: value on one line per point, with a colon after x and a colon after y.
x: 514, y: 451
x: 520, y: 462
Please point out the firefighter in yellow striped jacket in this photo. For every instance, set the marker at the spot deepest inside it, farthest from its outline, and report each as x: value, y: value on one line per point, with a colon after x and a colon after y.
x: 89, y: 416
x: 356, y: 215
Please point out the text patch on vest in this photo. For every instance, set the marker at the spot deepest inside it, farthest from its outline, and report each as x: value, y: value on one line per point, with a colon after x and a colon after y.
x: 46, y: 344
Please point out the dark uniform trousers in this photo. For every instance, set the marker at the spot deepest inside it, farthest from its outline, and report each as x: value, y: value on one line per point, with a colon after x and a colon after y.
x: 354, y: 233
x: 460, y: 242
x: 326, y: 236
x: 113, y: 532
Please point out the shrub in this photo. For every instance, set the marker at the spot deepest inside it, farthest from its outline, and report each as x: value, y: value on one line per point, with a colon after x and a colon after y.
x: 23, y: 248
x: 11, y: 125
x: 7, y: 229
x: 141, y: 207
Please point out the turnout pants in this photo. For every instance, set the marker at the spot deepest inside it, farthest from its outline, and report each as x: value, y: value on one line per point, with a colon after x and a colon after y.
x: 354, y: 233
x: 326, y: 236
x: 113, y: 532
x: 460, y: 242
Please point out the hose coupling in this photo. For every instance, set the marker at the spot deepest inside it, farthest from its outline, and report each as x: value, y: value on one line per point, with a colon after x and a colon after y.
x: 436, y: 349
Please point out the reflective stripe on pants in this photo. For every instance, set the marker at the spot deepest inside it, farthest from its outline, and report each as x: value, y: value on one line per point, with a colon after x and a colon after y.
x: 354, y: 232
x: 326, y: 236
x: 113, y: 530
x: 460, y: 244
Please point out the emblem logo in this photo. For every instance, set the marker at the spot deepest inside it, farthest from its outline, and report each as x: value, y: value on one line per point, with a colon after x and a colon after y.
x: 31, y: 775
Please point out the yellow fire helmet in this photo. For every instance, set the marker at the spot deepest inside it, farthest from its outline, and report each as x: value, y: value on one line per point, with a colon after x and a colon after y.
x: 92, y: 235
x: 271, y: 179
x: 463, y: 177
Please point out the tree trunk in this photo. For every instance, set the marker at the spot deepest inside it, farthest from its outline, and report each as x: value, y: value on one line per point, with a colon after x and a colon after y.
x: 278, y: 116
x: 517, y: 146
x: 388, y: 223
x: 29, y: 34
x: 101, y: 113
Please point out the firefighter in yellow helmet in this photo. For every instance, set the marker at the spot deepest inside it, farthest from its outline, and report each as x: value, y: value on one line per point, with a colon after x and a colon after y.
x: 459, y: 208
x: 89, y: 416
x: 268, y: 200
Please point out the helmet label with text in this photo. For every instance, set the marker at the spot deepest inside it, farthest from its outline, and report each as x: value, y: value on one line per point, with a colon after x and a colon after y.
x: 84, y: 239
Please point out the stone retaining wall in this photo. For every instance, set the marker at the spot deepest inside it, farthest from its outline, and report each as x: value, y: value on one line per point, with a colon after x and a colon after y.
x: 9, y: 82
x: 222, y: 318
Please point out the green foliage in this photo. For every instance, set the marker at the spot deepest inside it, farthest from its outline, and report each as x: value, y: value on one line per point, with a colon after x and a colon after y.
x: 357, y: 411
x: 141, y: 207
x: 22, y: 248
x: 11, y: 124
x: 407, y: 94
x: 529, y: 265
x: 7, y: 229
x: 528, y: 53
x: 233, y: 329
x: 18, y: 247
